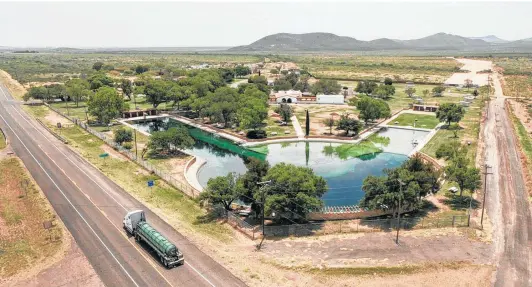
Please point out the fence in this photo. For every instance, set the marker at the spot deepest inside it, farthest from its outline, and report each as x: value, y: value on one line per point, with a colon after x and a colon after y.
x: 252, y: 231
x: 364, y: 225
x: 183, y: 186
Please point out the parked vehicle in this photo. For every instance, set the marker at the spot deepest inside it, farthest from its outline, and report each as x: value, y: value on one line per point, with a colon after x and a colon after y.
x: 135, y: 223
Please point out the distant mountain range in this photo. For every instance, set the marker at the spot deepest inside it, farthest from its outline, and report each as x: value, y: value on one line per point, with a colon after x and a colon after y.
x: 285, y: 42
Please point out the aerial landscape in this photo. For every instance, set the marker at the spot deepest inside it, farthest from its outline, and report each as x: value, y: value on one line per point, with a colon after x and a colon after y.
x: 265, y: 144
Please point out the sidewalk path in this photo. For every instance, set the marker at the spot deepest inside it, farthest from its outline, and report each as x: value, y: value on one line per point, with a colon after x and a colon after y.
x: 297, y: 127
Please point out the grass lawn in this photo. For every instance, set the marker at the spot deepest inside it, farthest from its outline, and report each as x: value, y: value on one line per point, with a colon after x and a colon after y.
x: 468, y: 134
x: 23, y: 209
x: 423, y: 121
x: 71, y: 109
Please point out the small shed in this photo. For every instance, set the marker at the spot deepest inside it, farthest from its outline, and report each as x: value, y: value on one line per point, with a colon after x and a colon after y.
x: 425, y: 108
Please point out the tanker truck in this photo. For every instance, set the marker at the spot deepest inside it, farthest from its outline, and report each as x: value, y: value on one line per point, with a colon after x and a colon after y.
x: 135, y: 223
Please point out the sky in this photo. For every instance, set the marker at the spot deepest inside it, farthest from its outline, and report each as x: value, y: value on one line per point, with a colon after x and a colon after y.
x: 203, y: 24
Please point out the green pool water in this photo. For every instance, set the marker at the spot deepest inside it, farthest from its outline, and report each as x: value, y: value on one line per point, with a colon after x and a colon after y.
x: 344, y: 166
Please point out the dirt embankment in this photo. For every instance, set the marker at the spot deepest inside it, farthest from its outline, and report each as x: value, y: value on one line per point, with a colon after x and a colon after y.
x: 16, y: 89
x: 30, y: 254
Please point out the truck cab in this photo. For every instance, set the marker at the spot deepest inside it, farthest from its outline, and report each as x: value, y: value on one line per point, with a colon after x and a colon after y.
x: 132, y: 219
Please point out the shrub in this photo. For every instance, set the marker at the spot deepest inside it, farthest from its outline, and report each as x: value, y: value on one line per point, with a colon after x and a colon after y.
x: 127, y: 145
x: 122, y: 135
x: 256, y: 134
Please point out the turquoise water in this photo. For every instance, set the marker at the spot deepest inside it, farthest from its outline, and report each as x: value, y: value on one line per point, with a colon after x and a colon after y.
x: 344, y: 174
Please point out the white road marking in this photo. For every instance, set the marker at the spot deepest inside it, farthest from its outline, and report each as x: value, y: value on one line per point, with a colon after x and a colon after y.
x: 103, y: 189
x: 68, y: 200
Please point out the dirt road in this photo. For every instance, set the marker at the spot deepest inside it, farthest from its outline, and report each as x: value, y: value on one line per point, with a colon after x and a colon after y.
x: 507, y: 199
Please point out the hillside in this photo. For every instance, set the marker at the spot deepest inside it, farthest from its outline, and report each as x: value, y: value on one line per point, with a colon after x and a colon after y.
x: 285, y: 42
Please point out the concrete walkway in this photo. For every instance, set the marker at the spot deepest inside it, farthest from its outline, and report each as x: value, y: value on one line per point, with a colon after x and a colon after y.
x: 297, y: 127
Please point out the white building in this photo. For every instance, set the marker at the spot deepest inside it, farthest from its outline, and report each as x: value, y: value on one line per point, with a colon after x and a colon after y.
x: 330, y: 99
x: 289, y: 96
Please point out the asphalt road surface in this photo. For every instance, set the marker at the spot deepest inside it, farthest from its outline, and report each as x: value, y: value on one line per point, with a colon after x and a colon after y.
x: 507, y: 198
x: 92, y: 208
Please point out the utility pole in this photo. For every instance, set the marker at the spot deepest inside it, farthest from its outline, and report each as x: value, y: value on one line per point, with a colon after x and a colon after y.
x: 486, y: 166
x: 262, y: 185
x: 136, y: 149
x: 399, y: 213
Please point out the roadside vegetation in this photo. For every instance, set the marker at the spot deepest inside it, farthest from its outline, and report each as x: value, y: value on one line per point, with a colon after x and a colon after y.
x: 23, y: 209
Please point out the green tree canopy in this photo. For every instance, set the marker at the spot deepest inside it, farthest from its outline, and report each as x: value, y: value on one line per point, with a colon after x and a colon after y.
x: 293, y: 191
x: 127, y: 87
x: 223, y: 104
x: 459, y: 171
x: 329, y: 122
x: 372, y: 109
x: 450, y: 112
x: 285, y: 111
x: 121, y: 135
x: 366, y: 87
x: 438, y: 91
x: 242, y: 71
x: 77, y: 90
x: 99, y: 80
x: 252, y: 108
x: 156, y: 91
x: 97, y: 66
x: 388, y: 81
x: 106, y: 104
x: 223, y: 190
x: 326, y: 87
x: 348, y: 124
x: 139, y: 69
x: 410, y: 91
x: 384, y: 91
x: 171, y: 140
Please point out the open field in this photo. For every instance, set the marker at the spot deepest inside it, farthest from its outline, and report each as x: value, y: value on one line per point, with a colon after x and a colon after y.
x: 24, y: 242
x: 517, y: 73
x: 353, y: 67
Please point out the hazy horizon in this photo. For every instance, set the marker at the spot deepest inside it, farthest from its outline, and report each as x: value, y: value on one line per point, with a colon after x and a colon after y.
x: 203, y: 24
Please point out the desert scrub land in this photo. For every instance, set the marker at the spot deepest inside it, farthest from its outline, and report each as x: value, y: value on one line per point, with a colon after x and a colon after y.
x: 59, y: 67
x: 517, y: 73
x: 401, y: 69
x: 23, y: 209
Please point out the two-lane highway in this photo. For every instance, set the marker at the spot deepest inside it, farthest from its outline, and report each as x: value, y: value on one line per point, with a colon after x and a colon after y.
x: 92, y: 208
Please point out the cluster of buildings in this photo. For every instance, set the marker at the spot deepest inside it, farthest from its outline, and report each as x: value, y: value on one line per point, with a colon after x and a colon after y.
x: 294, y: 97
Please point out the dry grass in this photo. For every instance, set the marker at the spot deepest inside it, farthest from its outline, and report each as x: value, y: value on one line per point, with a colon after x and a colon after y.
x: 16, y: 89
x: 23, y: 209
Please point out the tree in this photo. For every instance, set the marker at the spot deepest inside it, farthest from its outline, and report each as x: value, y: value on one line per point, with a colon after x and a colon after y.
x: 450, y: 112
x: 303, y: 84
x: 285, y: 111
x: 122, y: 135
x: 223, y: 190
x: 366, y: 87
x: 242, y: 71
x: 438, y: 91
x: 293, y: 191
x: 256, y: 170
x: 326, y: 87
x: 253, y: 109
x: 454, y: 128
x: 425, y: 92
x: 99, y: 80
x: 467, y: 178
x: 156, y: 92
x: 139, y: 69
x: 372, y: 109
x: 408, y: 183
x: 223, y: 105
x: 274, y: 71
x: 450, y: 150
x: 37, y: 93
x: 105, y: 104
x: 258, y: 80
x: 388, y: 81
x: 77, y: 90
x: 281, y: 84
x: 475, y: 93
x: 384, y: 91
x: 178, y: 94
x: 348, y: 124
x: 307, y: 124
x: 227, y: 74
x: 329, y: 122
x: 127, y: 87
x: 97, y: 66
x: 57, y: 91
x: 171, y: 140
x: 468, y: 83
x: 410, y: 91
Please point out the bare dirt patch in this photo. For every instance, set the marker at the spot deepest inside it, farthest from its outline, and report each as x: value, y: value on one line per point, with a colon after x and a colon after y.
x: 25, y: 244
x: 16, y: 89
x: 113, y: 153
x: 520, y: 110
x: 175, y: 166
x: 55, y: 118
x: 318, y: 113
